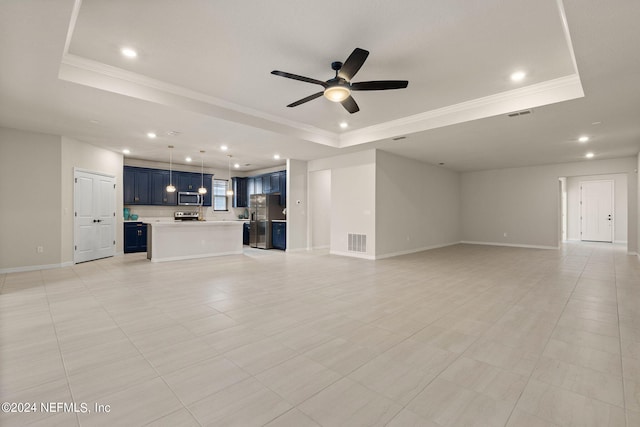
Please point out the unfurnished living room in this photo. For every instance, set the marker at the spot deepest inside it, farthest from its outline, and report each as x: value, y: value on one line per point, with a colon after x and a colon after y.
x: 360, y: 213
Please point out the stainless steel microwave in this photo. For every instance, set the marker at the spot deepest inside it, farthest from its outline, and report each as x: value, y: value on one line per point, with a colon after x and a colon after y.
x: 189, y: 198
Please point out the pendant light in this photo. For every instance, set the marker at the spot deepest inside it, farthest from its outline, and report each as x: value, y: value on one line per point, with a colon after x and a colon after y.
x: 229, y: 190
x: 170, y: 187
x: 202, y: 189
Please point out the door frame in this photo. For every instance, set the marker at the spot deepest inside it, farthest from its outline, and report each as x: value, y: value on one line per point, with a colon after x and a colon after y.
x: 613, y: 207
x: 75, y: 207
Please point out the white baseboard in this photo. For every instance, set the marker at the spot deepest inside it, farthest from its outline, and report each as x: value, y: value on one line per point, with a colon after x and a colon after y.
x: 511, y: 245
x: 413, y: 251
x: 34, y: 268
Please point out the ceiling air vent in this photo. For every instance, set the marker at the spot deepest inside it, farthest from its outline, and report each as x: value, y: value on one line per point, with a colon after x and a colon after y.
x: 399, y: 138
x: 520, y: 113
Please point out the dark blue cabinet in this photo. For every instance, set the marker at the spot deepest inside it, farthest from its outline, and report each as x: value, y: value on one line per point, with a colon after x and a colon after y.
x: 274, y: 182
x: 159, y: 183
x: 135, y: 237
x: 270, y: 183
x: 144, y: 186
x: 283, y: 188
x: 279, y: 235
x: 240, y: 192
x: 136, y: 186
x: 246, y: 232
x: 187, y: 181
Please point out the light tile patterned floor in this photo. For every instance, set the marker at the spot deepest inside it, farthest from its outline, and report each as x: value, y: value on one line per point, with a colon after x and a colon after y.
x: 459, y: 336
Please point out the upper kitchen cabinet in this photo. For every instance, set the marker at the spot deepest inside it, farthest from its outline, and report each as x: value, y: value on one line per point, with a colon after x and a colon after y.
x: 136, y: 188
x: 274, y: 182
x: 283, y: 188
x: 144, y: 186
x: 240, y: 192
x: 159, y: 183
x: 187, y: 181
x: 270, y: 183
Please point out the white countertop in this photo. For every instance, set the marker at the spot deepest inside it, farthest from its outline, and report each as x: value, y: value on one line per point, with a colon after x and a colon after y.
x: 193, y: 223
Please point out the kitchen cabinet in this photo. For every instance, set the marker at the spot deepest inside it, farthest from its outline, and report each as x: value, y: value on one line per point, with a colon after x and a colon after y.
x: 158, y: 193
x: 145, y: 186
x: 135, y: 237
x: 274, y: 182
x: 187, y: 181
x: 283, y: 188
x: 136, y: 187
x: 279, y: 235
x: 246, y: 233
x: 240, y: 192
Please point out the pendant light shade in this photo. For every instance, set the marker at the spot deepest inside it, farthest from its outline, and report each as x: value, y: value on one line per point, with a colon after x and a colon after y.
x: 229, y: 190
x: 202, y: 189
x: 170, y: 187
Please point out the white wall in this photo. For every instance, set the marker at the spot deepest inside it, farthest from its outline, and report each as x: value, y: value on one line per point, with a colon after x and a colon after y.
x: 417, y: 205
x: 296, y: 205
x: 620, y: 211
x: 29, y: 200
x: 353, y: 184
x: 319, y: 209
x: 77, y: 154
x: 524, y: 202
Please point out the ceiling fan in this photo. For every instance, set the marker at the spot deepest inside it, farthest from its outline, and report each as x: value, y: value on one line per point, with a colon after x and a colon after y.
x: 338, y: 89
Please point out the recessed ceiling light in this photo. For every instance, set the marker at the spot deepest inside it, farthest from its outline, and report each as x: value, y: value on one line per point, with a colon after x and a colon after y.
x: 126, y: 151
x: 276, y: 156
x: 128, y: 52
x: 187, y: 159
x: 151, y: 135
x: 224, y: 147
x: 344, y: 125
x: 583, y: 139
x: 94, y: 121
x: 589, y: 155
x: 236, y: 165
x: 518, y: 76
x: 596, y: 123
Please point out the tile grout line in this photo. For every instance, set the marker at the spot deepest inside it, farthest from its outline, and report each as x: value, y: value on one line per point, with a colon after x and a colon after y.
x: 515, y: 405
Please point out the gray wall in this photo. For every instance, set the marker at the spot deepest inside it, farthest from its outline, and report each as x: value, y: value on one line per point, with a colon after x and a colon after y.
x: 30, y: 199
x: 417, y: 205
x: 525, y: 203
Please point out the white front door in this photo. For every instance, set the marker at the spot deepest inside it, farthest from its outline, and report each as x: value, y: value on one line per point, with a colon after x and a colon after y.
x: 596, y: 211
x: 94, y: 216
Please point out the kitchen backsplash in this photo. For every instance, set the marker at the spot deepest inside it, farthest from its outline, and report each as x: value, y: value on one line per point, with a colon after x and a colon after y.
x: 167, y: 211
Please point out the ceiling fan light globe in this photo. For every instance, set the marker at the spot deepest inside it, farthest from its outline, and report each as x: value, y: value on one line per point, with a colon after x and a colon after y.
x: 337, y: 93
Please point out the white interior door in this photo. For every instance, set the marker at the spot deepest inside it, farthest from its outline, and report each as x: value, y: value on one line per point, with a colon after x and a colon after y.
x: 596, y: 211
x: 94, y: 216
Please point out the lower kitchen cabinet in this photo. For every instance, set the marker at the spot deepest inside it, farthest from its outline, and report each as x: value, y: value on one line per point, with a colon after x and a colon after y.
x: 135, y: 237
x: 246, y: 230
x: 279, y: 235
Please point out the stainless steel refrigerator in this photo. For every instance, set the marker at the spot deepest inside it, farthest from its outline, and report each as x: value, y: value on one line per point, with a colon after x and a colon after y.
x: 263, y: 208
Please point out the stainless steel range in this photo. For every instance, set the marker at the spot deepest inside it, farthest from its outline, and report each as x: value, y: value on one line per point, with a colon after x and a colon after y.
x: 185, y: 216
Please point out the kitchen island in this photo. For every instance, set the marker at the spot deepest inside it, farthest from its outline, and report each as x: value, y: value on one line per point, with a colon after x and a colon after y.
x: 179, y: 240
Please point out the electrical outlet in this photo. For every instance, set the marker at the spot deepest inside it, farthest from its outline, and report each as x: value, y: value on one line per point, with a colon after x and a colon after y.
x: 40, y: 249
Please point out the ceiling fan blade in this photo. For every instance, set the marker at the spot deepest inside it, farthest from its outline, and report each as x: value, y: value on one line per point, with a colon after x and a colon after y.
x: 307, y: 99
x: 353, y: 63
x: 350, y: 105
x: 301, y: 78
x: 380, y: 85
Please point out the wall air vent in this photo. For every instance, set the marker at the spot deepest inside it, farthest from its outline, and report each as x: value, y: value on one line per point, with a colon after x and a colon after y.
x: 520, y: 113
x: 357, y: 243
